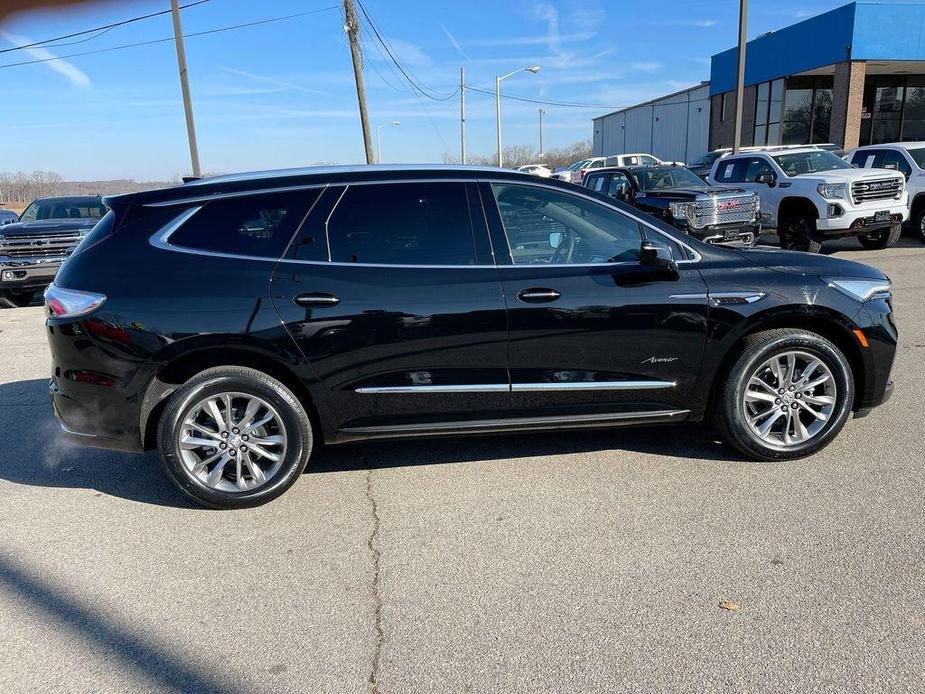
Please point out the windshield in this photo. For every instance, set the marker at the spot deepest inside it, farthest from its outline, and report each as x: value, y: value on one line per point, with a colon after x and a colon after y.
x: 918, y: 156
x: 655, y: 179
x: 800, y: 163
x: 63, y: 209
x: 707, y: 159
x: 578, y: 164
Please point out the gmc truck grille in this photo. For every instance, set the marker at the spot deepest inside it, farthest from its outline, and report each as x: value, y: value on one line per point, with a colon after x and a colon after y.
x: 876, y: 189
x: 39, y: 246
x: 736, y: 209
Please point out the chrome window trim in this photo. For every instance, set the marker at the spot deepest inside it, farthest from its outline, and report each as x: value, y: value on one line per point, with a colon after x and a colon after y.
x: 161, y: 238
x: 520, y: 387
x: 749, y: 297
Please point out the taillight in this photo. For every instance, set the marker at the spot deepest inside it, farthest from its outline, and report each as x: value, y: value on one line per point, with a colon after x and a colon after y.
x: 70, y: 303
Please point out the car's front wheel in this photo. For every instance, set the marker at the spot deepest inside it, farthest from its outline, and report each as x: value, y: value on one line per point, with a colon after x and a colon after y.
x: 233, y: 437
x: 787, y: 395
x: 882, y: 238
x: 798, y: 233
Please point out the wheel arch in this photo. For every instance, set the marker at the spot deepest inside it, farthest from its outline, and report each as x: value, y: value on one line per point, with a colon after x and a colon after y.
x: 918, y: 203
x: 796, y: 203
x: 175, y: 372
x: 830, y: 324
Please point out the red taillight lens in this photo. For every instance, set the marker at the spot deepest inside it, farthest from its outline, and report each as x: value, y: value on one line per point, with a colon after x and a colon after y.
x: 70, y: 303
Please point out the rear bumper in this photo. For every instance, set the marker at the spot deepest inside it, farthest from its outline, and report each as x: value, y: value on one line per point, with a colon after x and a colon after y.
x: 93, y: 422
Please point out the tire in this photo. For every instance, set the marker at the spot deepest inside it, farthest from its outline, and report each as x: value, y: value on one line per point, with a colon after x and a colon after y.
x: 884, y: 238
x: 919, y: 223
x: 233, y: 480
x: 798, y: 234
x: 16, y: 298
x: 736, y: 396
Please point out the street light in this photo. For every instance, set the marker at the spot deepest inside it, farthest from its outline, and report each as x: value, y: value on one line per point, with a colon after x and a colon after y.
x: 530, y: 68
x: 379, y: 138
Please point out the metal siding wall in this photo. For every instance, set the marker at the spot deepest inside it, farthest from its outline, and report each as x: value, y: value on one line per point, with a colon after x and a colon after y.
x: 597, y: 146
x: 670, y: 131
x: 639, y: 129
x: 698, y: 125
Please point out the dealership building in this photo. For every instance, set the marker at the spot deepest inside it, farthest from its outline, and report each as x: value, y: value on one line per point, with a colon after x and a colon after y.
x: 854, y: 75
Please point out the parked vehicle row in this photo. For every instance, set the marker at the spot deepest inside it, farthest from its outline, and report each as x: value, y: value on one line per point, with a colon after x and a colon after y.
x: 267, y: 313
x: 33, y: 247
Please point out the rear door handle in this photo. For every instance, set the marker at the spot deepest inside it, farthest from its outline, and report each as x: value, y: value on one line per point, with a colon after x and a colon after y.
x: 538, y: 295
x: 316, y: 299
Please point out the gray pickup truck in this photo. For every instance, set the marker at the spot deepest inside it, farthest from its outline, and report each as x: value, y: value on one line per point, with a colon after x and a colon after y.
x: 33, y: 248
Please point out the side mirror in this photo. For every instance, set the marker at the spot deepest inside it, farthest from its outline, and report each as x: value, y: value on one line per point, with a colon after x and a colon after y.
x: 767, y: 177
x: 657, y: 255
x: 555, y: 239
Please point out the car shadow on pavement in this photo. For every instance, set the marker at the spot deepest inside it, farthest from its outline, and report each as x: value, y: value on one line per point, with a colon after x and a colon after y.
x: 34, y: 451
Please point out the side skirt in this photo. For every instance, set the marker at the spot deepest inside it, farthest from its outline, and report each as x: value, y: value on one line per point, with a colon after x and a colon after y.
x: 514, y: 424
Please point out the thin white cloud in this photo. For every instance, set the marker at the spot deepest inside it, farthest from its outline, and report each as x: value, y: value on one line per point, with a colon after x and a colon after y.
x: 266, y: 79
x: 649, y: 67
x: 455, y: 43
x: 410, y: 54
x: 531, y: 40
x: 545, y: 12
x: 76, y: 76
x: 588, y: 19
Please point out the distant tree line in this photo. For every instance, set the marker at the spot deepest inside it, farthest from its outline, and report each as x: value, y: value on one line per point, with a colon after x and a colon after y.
x: 520, y: 155
x: 19, y: 189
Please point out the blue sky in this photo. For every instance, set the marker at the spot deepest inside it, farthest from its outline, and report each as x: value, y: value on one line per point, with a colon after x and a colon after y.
x: 282, y: 94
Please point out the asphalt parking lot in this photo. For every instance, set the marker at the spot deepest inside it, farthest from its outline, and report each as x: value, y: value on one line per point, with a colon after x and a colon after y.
x: 559, y: 562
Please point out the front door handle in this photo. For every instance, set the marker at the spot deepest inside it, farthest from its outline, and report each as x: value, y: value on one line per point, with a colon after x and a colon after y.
x: 316, y: 299
x: 538, y: 295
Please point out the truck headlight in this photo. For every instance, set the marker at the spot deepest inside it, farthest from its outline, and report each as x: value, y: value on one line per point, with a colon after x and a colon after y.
x: 860, y: 289
x: 833, y: 191
x: 683, y: 210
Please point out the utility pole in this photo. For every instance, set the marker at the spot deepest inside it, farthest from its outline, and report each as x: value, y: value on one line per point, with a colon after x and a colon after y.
x: 462, y: 115
x: 184, y: 86
x: 352, y: 27
x: 740, y: 81
x: 542, y: 113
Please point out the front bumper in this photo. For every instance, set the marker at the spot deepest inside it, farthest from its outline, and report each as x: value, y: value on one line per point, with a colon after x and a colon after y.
x: 16, y: 274
x: 739, y: 235
x: 854, y: 222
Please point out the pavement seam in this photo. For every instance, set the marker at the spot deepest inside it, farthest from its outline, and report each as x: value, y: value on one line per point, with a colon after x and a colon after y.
x: 372, y: 544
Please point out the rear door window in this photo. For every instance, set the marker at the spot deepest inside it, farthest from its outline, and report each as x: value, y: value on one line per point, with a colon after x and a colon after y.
x: 867, y: 158
x: 896, y: 161
x: 403, y: 224
x: 253, y: 225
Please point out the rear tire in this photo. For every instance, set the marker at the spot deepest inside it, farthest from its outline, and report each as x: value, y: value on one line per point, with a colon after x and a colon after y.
x: 16, y: 298
x: 769, y: 415
x: 798, y: 234
x: 233, y: 437
x: 884, y: 238
x: 919, y: 222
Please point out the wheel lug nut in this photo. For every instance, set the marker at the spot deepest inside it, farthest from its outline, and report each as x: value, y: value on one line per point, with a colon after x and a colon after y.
x: 794, y: 406
x: 234, y: 431
x: 781, y: 391
x: 783, y: 409
x: 224, y: 434
x: 245, y: 437
x: 223, y: 445
x: 791, y: 388
x: 799, y: 395
x: 777, y: 401
x: 232, y: 452
x: 244, y: 448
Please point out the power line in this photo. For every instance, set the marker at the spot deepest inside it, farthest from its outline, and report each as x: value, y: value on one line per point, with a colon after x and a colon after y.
x: 409, y: 76
x: 565, y: 104
x: 165, y: 40
x: 103, y: 29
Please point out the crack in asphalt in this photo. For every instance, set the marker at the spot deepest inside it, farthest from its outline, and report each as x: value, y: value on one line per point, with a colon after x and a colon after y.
x: 373, y: 544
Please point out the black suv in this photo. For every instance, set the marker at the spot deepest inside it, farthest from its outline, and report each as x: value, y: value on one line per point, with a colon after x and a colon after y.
x: 714, y: 214
x: 235, y: 322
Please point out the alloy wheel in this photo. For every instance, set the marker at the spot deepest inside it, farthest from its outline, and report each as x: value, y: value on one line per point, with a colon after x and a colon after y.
x: 232, y: 442
x: 789, y: 399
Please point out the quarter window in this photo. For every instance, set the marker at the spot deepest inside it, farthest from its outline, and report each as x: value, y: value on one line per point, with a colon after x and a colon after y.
x: 403, y: 224
x: 259, y: 225
x: 546, y: 226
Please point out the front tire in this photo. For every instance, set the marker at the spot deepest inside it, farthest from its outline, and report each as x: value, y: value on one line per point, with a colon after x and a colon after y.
x: 883, y: 238
x: 787, y: 395
x: 16, y: 298
x: 233, y: 437
x: 799, y: 234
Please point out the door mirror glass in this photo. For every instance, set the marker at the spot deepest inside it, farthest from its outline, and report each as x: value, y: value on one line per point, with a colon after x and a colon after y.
x: 767, y: 177
x: 555, y: 239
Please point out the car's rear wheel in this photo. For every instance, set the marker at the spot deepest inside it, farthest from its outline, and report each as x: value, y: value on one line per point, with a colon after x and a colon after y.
x: 919, y: 222
x: 233, y: 437
x: 16, y: 298
x: 882, y: 238
x: 787, y: 395
x: 798, y: 233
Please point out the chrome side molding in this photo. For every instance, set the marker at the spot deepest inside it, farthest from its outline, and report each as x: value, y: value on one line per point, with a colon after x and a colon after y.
x: 520, y: 387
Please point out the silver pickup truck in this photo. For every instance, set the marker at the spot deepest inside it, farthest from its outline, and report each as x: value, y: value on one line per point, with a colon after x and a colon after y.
x: 33, y: 248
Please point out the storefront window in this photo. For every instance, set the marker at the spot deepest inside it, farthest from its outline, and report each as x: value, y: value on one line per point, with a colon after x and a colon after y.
x: 807, y: 110
x: 798, y: 116
x: 914, y: 111
x: 769, y: 102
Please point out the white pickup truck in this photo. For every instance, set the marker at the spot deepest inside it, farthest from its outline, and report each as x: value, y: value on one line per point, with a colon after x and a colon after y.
x: 908, y: 158
x: 810, y: 195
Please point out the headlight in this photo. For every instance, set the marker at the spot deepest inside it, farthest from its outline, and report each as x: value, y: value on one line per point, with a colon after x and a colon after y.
x: 861, y: 290
x: 833, y: 191
x: 683, y: 210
